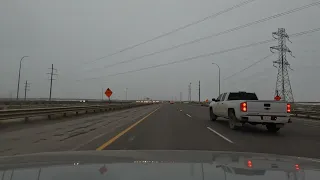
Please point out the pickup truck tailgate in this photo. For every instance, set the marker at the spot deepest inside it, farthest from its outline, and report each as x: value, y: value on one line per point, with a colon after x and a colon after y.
x: 267, y: 107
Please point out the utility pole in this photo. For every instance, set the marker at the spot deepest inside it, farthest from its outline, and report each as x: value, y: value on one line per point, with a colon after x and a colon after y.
x: 199, y: 91
x: 180, y: 97
x: 189, y: 90
x: 102, y: 94
x: 126, y: 93
x: 26, y: 88
x: 51, y: 79
x: 283, y: 85
x: 10, y: 95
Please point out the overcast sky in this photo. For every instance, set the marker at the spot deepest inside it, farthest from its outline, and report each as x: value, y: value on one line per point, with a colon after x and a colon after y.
x: 72, y: 34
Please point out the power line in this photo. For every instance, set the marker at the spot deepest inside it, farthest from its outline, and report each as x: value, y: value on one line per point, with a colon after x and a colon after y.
x: 207, y: 55
x: 178, y: 29
x: 248, y: 67
x: 213, y: 35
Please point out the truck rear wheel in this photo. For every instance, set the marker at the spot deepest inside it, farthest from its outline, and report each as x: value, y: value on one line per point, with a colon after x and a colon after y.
x: 233, y: 121
x: 213, y: 117
x: 272, y: 128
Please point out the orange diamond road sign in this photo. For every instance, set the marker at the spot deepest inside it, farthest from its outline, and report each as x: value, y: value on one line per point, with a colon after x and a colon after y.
x: 277, y: 98
x: 108, y: 93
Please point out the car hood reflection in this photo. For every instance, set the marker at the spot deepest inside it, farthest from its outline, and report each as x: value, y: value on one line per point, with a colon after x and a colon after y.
x: 157, y: 165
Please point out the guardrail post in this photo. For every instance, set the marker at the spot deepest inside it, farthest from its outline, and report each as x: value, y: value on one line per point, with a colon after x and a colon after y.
x: 77, y: 113
x: 49, y: 116
x: 26, y: 119
x: 64, y: 114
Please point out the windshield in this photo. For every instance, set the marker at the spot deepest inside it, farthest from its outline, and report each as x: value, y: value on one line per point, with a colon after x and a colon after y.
x: 167, y: 75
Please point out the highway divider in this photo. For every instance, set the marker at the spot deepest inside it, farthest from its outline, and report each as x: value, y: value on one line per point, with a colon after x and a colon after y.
x: 49, y: 112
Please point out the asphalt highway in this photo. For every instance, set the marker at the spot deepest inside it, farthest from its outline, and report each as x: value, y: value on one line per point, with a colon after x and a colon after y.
x: 160, y: 127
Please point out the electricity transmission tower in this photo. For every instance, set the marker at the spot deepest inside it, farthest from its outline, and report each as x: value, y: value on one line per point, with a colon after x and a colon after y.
x: 283, y: 86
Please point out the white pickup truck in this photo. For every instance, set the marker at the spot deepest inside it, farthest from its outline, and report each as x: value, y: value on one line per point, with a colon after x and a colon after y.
x: 244, y: 107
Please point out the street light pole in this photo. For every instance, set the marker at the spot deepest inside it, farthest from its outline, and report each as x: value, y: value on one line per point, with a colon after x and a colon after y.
x: 19, y: 76
x: 219, y: 75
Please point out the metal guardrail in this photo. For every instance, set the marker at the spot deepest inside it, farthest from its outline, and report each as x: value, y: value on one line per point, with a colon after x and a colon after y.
x: 26, y: 113
x: 43, y: 104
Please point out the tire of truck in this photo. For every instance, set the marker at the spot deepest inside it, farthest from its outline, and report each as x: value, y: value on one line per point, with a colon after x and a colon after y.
x: 232, y: 120
x: 272, y: 128
x: 213, y: 117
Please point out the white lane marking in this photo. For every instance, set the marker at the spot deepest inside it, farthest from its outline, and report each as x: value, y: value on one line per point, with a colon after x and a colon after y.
x: 220, y: 135
x: 188, y: 115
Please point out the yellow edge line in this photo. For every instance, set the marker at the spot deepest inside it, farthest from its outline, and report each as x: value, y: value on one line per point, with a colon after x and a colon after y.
x: 123, y: 132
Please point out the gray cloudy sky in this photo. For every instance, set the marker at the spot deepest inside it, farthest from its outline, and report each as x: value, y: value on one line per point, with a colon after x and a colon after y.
x: 69, y: 33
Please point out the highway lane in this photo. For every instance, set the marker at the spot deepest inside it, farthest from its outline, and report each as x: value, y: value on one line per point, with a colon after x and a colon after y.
x: 187, y: 127
x: 300, y: 138
x: 170, y: 129
x: 80, y: 133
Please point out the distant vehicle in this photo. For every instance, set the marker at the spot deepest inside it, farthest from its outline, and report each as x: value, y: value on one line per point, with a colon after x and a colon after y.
x: 244, y: 107
x: 204, y: 103
x: 171, y: 102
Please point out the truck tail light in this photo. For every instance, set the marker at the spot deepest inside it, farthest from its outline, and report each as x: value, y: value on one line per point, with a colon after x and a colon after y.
x: 243, y: 107
x: 249, y: 164
x: 288, y: 108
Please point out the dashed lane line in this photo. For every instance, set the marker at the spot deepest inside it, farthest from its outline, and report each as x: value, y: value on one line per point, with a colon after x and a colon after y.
x: 222, y: 136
